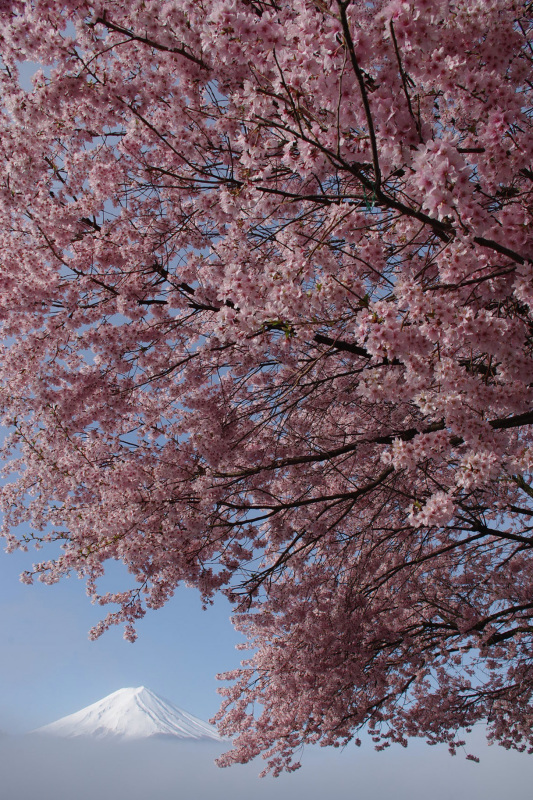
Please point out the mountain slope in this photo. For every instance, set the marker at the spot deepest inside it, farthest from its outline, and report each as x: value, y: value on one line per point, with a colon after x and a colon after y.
x: 131, y: 714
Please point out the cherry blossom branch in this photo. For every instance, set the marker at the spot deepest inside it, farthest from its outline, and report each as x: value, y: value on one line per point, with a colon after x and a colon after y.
x: 342, y: 6
x: 103, y: 20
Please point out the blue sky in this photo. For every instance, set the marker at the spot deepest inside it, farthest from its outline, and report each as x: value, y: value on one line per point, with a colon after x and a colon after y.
x: 50, y: 668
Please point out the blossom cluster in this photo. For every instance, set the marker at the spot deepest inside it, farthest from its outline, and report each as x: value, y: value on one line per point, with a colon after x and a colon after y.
x: 266, y: 277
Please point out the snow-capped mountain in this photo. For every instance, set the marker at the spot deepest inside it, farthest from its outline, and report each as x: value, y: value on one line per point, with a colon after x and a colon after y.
x: 131, y: 714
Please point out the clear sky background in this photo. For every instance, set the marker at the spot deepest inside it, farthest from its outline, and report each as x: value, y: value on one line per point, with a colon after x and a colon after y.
x: 49, y: 667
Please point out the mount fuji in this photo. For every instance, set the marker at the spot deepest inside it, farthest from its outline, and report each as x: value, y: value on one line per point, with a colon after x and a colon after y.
x: 131, y: 714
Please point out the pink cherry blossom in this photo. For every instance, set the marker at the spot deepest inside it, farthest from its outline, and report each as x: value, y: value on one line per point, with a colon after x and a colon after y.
x: 266, y: 303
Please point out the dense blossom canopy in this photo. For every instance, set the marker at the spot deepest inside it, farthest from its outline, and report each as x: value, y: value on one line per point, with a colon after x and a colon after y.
x: 266, y: 284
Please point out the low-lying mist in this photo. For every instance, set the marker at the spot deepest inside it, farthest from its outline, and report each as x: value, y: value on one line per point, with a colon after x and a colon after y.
x: 44, y: 768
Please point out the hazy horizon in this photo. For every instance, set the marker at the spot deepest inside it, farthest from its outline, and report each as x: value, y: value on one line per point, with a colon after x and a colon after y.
x: 47, y: 768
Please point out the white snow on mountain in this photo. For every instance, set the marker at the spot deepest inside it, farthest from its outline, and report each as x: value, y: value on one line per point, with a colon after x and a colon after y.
x: 131, y: 714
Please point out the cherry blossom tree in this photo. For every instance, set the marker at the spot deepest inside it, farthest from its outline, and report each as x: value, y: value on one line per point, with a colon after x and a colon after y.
x: 266, y: 281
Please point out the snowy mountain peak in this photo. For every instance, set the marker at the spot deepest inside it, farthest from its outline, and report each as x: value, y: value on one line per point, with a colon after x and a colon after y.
x: 131, y: 713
